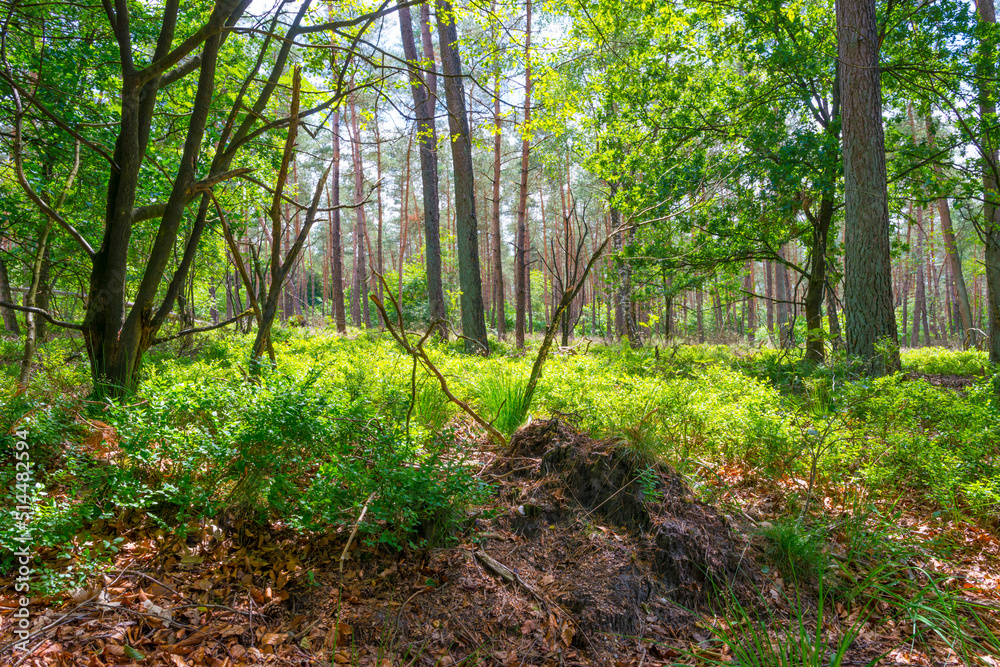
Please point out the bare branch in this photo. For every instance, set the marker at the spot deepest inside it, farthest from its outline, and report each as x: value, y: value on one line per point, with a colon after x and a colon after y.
x: 157, y: 341
x: 43, y: 313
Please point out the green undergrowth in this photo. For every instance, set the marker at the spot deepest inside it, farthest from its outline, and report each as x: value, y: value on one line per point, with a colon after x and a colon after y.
x: 337, y: 426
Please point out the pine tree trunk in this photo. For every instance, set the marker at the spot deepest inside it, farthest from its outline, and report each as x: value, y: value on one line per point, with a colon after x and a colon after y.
x: 521, y: 294
x: 920, y: 295
x: 470, y: 281
x: 336, y: 242
x: 986, y: 11
x: 497, y: 241
x: 423, y: 85
x: 359, y: 285
x: 871, y: 320
x: 769, y: 293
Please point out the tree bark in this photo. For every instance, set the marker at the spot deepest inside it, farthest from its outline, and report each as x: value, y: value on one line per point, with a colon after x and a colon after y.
x: 920, y: 293
x: 521, y: 293
x: 954, y: 260
x: 423, y: 86
x: 10, y: 323
x: 336, y: 242
x: 784, y: 298
x: 497, y: 241
x: 871, y: 320
x: 359, y: 285
x: 469, y: 275
x: 986, y: 11
x: 31, y: 319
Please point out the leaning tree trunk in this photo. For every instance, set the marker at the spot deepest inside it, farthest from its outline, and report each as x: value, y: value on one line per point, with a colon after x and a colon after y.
x: 466, y: 226
x: 871, y: 320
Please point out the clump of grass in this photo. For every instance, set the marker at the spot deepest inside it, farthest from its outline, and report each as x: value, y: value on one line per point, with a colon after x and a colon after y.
x: 794, y: 549
x: 500, y: 391
x: 766, y: 642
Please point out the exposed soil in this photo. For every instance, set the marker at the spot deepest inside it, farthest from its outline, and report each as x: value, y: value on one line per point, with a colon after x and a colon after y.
x: 587, y: 556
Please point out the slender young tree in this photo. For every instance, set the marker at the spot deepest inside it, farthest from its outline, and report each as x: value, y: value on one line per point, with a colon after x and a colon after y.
x: 469, y: 274
x: 871, y: 319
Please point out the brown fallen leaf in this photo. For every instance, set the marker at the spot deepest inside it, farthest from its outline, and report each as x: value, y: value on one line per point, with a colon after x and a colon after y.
x: 274, y: 639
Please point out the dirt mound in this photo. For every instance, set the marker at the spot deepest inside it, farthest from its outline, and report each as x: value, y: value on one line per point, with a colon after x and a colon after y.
x: 688, y: 546
x: 586, y: 550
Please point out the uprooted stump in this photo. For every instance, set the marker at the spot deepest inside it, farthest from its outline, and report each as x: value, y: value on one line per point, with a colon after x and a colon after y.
x: 682, y: 550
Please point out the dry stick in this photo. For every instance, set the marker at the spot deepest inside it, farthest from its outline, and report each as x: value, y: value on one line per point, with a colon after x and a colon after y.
x: 510, y: 576
x: 354, y: 533
x: 418, y: 353
x: 343, y: 557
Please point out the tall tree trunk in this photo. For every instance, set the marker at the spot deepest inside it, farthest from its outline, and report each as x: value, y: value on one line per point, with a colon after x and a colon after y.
x: 469, y: 276
x: 783, y: 297
x: 521, y: 293
x: 423, y: 86
x: 769, y: 295
x: 831, y: 309
x: 404, y: 217
x: 378, y: 246
x: 359, y: 285
x: 336, y: 242
x: 816, y: 286
x: 699, y: 304
x: 920, y: 296
x: 986, y: 11
x: 751, y: 302
x: 955, y: 262
x: 10, y: 323
x: 497, y: 241
x: 871, y: 319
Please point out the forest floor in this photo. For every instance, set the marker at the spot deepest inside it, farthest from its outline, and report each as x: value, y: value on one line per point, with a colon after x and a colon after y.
x: 584, y: 553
